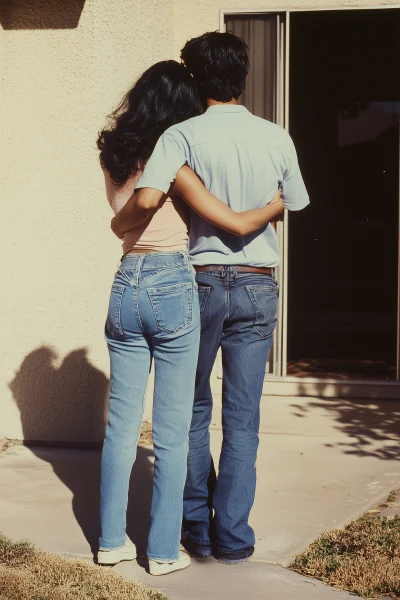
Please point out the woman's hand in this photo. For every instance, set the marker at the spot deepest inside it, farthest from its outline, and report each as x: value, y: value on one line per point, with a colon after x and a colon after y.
x: 278, y: 202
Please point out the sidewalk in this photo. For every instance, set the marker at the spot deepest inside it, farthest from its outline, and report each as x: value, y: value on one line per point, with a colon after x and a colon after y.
x: 321, y: 463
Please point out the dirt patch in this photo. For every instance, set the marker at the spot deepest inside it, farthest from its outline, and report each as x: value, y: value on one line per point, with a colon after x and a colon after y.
x: 146, y: 434
x: 5, y: 444
x: 146, y: 439
x: 390, y: 507
x: 27, y: 574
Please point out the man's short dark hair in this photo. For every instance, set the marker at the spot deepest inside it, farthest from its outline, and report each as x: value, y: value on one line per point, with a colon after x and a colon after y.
x: 219, y: 62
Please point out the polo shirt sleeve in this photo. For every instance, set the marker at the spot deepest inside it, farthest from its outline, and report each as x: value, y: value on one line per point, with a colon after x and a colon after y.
x: 169, y: 155
x: 295, y: 195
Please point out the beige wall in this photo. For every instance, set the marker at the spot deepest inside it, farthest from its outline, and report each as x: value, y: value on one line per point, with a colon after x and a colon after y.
x: 193, y: 18
x: 57, y: 253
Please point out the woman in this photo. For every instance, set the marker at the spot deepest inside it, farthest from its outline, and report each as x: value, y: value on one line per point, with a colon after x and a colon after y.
x: 154, y: 314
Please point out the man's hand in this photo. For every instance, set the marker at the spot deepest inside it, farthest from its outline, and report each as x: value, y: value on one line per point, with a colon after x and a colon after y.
x: 115, y: 228
x: 140, y: 207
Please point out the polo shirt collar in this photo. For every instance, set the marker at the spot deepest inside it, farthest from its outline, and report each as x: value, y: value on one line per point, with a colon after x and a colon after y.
x: 232, y: 108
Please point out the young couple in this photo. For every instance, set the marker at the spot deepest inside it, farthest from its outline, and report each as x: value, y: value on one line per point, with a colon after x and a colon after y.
x: 195, y: 156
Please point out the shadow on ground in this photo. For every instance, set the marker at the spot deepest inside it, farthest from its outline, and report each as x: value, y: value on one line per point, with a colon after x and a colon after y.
x: 81, y: 474
x: 66, y: 400
x: 372, y: 426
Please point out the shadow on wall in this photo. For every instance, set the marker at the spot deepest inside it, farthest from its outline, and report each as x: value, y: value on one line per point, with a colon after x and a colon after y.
x: 67, y: 402
x: 40, y: 14
x: 60, y: 403
x: 371, y: 426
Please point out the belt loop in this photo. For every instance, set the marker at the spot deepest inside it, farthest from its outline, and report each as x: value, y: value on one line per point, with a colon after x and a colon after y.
x: 121, y: 261
x: 185, y: 257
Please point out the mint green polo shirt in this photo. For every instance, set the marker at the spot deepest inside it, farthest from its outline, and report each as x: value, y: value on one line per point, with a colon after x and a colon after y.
x: 242, y: 160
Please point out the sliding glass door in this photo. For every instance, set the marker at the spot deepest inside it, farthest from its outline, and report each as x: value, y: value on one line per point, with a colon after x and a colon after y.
x: 335, y: 74
x: 266, y: 97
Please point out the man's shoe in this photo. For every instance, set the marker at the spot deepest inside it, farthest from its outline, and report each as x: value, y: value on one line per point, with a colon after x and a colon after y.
x: 195, y: 549
x: 234, y: 558
x: 163, y: 568
x: 113, y: 557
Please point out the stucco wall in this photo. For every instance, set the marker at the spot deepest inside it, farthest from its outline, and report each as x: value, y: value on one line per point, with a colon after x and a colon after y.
x: 191, y: 18
x: 57, y: 254
x: 56, y: 250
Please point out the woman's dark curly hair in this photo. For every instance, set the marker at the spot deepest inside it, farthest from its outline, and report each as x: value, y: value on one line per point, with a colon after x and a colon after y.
x: 164, y: 95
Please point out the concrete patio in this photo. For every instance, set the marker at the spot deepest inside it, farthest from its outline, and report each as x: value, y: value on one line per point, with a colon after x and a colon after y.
x: 321, y: 463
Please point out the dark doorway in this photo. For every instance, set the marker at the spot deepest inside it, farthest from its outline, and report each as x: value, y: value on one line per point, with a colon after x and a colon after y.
x: 344, y: 104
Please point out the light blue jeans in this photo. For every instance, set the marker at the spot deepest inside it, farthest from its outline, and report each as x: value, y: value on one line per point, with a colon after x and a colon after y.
x: 153, y: 313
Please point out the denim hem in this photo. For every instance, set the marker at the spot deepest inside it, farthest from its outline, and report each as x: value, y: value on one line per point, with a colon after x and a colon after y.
x: 163, y: 560
x: 198, y: 542
x: 187, y: 536
x: 103, y: 549
x: 234, y: 557
x: 237, y: 561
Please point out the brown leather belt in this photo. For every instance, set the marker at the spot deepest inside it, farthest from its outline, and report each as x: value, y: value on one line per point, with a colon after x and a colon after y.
x: 238, y: 268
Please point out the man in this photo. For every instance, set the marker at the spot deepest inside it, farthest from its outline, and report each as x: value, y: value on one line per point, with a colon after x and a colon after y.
x: 242, y: 160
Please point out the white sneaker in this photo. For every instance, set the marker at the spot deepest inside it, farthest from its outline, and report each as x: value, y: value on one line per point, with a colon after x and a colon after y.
x: 112, y: 557
x: 160, y: 568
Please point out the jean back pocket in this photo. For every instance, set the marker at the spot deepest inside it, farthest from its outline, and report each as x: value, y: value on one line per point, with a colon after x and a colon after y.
x: 264, y: 299
x: 172, y: 306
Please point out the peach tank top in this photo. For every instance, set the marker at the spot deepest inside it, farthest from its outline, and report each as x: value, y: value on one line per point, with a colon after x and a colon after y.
x: 166, y: 231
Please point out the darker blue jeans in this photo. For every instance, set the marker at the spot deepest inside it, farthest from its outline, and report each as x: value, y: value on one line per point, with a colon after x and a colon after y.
x: 238, y: 313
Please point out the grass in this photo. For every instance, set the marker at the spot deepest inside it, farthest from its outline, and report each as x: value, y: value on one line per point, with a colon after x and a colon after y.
x: 363, y: 558
x: 28, y: 574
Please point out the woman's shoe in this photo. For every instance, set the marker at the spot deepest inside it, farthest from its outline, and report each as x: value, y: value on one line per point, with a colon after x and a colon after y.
x: 162, y: 568
x: 113, y: 557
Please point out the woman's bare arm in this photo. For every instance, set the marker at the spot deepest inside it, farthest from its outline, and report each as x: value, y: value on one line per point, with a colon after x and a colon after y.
x: 211, y: 209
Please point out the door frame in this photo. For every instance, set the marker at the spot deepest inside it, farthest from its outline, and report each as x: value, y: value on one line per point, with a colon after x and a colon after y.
x: 280, y: 384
